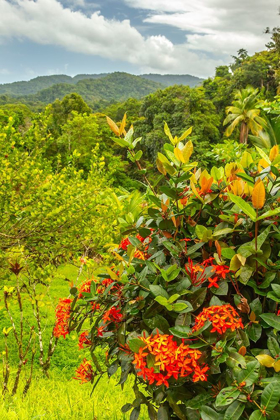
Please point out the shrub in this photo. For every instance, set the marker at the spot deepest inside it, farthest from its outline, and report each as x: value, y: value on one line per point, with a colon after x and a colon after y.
x: 190, y: 307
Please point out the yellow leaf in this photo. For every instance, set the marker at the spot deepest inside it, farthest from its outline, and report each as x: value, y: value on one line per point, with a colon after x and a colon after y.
x: 277, y: 366
x: 111, y: 273
x: 113, y: 126
x: 235, y: 263
x: 167, y: 132
x: 258, y: 195
x: 274, y: 152
x: 246, y: 159
x: 183, y: 154
x: 160, y: 167
x: 185, y: 134
x: 262, y: 165
x: 252, y: 317
x: 237, y: 187
x: 265, y: 360
x: 194, y: 190
x: 123, y: 123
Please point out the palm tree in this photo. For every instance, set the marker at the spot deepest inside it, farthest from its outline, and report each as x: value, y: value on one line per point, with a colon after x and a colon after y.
x: 244, y: 112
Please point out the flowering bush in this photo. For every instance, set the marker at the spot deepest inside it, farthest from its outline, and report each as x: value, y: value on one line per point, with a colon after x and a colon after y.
x: 190, y: 308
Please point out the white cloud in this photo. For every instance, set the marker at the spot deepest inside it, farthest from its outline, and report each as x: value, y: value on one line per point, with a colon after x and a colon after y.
x: 216, y: 26
x: 211, y: 28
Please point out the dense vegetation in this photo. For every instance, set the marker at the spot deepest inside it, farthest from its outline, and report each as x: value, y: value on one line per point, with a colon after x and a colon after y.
x: 150, y: 227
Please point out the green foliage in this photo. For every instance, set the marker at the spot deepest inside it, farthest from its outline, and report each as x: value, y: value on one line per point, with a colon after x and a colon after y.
x: 171, y: 271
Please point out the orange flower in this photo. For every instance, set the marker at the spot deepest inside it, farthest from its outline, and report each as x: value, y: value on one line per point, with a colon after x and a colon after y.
x: 169, y: 360
x: 84, y: 340
x: 112, y: 315
x: 84, y: 373
x: 62, y: 315
x: 222, y: 318
x: 85, y: 287
x: 196, y: 273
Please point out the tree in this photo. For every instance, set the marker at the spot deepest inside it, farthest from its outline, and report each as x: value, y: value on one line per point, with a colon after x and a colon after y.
x: 244, y: 112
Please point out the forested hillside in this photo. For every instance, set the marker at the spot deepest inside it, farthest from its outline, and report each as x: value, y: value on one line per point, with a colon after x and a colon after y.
x: 174, y: 79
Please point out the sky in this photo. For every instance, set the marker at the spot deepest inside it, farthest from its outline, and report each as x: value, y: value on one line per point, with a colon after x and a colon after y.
x: 44, y: 37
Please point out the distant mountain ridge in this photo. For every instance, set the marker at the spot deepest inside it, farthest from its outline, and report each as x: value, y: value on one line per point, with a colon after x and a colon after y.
x: 33, y: 86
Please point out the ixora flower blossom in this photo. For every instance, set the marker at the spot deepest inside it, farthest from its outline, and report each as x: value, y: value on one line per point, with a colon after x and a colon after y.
x: 62, y: 315
x: 112, y: 315
x: 168, y: 360
x: 84, y: 373
x: 222, y: 318
x: 84, y: 340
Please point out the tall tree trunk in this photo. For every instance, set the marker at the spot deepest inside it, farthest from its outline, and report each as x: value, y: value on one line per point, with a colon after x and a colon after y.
x: 244, y: 131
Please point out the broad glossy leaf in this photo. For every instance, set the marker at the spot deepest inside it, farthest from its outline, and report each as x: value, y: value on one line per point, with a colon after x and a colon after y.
x: 158, y: 291
x: 272, y: 320
x: 234, y: 411
x: 265, y: 360
x: 197, y: 298
x: 271, y: 396
x: 273, y: 346
x: 226, y: 396
x: 250, y: 374
x: 244, y: 206
x: 257, y: 415
x: 258, y: 195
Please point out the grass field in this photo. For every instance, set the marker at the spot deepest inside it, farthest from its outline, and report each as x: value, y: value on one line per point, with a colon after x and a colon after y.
x: 60, y: 397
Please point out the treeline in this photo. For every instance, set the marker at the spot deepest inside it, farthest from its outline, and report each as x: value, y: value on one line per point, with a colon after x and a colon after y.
x: 69, y: 124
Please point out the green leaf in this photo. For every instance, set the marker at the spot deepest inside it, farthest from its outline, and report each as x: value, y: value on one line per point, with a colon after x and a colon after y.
x: 257, y: 415
x: 273, y: 346
x: 224, y: 231
x: 269, y: 213
x: 272, y: 320
x: 234, y: 359
x: 162, y: 413
x: 208, y: 413
x: 180, y: 331
x: 263, y: 155
x: 271, y: 396
x: 244, y: 206
x: 161, y: 300
x: 234, y: 411
x: 135, y: 413
x: 179, y: 307
x: 226, y: 396
x: 276, y: 289
x: 228, y: 253
x: 135, y: 344
x: 194, y: 248
x: 159, y: 322
x: 254, y: 332
x: 198, y: 401
x: 197, y: 298
x: 158, y: 291
x: 249, y: 375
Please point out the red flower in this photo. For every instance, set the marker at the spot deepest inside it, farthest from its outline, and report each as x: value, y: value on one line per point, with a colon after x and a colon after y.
x: 196, y: 273
x: 100, y: 331
x: 84, y: 340
x: 170, y: 360
x: 84, y: 373
x: 112, y: 315
x: 222, y: 318
x: 62, y: 315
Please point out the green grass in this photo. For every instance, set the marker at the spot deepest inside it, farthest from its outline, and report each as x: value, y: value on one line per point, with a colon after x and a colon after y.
x: 60, y: 397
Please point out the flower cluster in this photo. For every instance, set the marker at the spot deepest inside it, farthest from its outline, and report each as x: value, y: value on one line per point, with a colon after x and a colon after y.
x: 222, y: 318
x: 62, y: 315
x: 198, y: 275
x: 84, y: 373
x: 84, y: 340
x: 112, y: 315
x: 138, y: 254
x: 168, y: 360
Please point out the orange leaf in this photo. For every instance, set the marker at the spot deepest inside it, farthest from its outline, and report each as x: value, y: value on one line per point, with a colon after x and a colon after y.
x: 123, y: 123
x: 206, y: 184
x: 218, y: 248
x: 258, y: 195
x: 242, y: 351
x: 113, y: 126
x: 274, y: 152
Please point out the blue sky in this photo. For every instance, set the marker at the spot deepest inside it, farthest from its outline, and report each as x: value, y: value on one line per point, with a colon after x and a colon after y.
x: 42, y: 37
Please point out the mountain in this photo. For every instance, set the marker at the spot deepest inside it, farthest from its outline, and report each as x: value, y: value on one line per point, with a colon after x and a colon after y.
x: 112, y: 87
x: 34, y: 86
x: 174, y: 79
